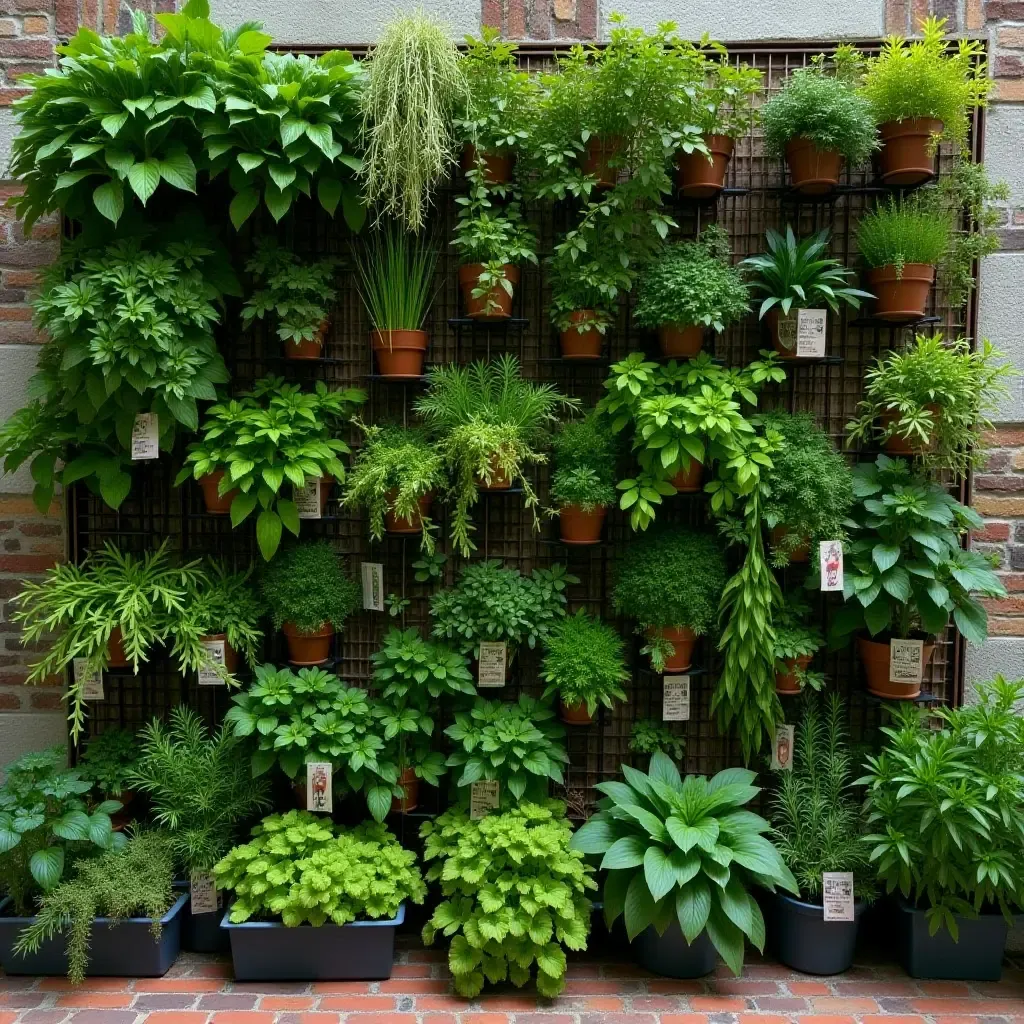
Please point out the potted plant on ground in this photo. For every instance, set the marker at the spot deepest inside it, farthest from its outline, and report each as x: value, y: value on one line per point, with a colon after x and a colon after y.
x: 819, y: 120
x: 922, y: 91
x: 679, y: 872
x: 946, y: 809
x: 474, y: 861
x: 688, y: 287
x: 649, y: 736
x: 309, y: 596
x: 905, y: 572
x: 584, y: 664
x: 316, y: 901
x: 796, y: 275
x: 817, y: 826
x: 796, y: 642
x: 671, y: 583
x: 107, y: 761
x: 396, y: 284
x: 583, y: 480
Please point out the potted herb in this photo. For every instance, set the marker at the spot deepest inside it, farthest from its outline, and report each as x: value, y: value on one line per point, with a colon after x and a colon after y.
x: 649, y: 736
x: 584, y: 664
x: 817, y: 825
x: 473, y: 861
x: 945, y: 808
x: 796, y: 275
x: 583, y: 480
x: 688, y: 287
x: 819, y: 119
x: 396, y: 284
x: 394, y: 476
x: 905, y: 572
x: 922, y: 90
x: 286, y: 924
x: 671, y: 583
x: 584, y: 293
x: 107, y: 761
x: 796, y: 642
x: 688, y: 863
x: 490, y: 423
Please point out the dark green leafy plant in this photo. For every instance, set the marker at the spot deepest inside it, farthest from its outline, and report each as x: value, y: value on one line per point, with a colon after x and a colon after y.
x: 584, y: 453
x: 429, y: 566
x: 108, y: 761
x: 514, y: 894
x: 307, y: 586
x: 584, y: 662
x: 723, y: 103
x: 796, y: 637
x: 649, y: 736
x: 902, y: 231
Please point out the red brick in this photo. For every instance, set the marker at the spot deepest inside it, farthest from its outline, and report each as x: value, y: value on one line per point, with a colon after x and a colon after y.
x: 9, y: 702
x: 26, y: 563
x: 35, y: 25
x: 718, y: 1004
x: 490, y: 13
x: 373, y: 1018
x: 510, y: 1001
x: 992, y: 533
x: 999, y: 482
x: 655, y: 1003
x: 808, y: 988
x: 762, y: 1018
x: 94, y: 1000
x: 89, y: 985
x: 41, y: 48
x: 684, y: 1018
x: 176, y: 985
x: 360, y: 1003
x: 492, y: 1018
x: 967, y: 1006
x: 177, y: 1017
x: 744, y: 987
x: 408, y: 988
x: 411, y: 971
x: 43, y: 701
x: 431, y: 956
x: 338, y: 987
x: 242, y: 1017
x: 870, y: 987
x: 588, y: 987
x: 829, y: 1004
x: 676, y: 987
x: 1004, y: 10
x: 886, y: 1018
x: 944, y: 988
x: 452, y: 1002
x: 1006, y: 627
x: 1013, y: 582
x: 314, y: 1018
x: 286, y: 1003
x: 1001, y: 606
x: 818, y: 1019
x: 603, y: 1003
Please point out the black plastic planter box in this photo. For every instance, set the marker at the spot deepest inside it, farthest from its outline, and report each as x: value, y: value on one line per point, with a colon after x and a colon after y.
x: 802, y: 939
x: 671, y: 956
x: 268, y: 951
x: 201, y: 933
x: 116, y: 948
x: 977, y: 956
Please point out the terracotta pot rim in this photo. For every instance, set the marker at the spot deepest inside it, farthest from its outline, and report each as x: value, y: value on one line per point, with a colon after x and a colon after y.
x: 400, y: 338
x: 910, y: 126
x: 911, y: 272
x: 290, y: 629
x: 469, y: 272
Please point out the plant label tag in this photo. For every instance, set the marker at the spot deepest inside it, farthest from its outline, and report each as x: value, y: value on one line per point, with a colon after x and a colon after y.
x: 837, y: 895
x: 675, y: 699
x: 91, y: 683
x: 483, y: 798
x: 203, y: 893
x: 208, y: 674
x: 782, y: 748
x: 319, y: 788
x: 146, y: 436
x: 491, y: 663
x: 906, y: 661
x: 830, y: 557
x: 373, y: 586
x: 787, y: 331
x: 307, y: 500
x: 810, y: 333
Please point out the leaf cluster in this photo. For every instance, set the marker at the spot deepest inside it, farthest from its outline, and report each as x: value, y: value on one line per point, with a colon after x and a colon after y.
x: 649, y: 736
x: 396, y: 278
x: 584, y: 453
x: 307, y: 586
x: 795, y: 636
x: 108, y: 761
x: 584, y: 662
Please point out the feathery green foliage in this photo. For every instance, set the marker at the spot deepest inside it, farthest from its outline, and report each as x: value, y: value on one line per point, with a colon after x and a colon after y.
x: 584, y: 662
x: 584, y: 453
x: 396, y: 278
x: 902, y: 231
x: 308, y: 587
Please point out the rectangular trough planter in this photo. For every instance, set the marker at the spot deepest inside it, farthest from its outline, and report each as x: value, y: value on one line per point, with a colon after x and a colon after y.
x: 977, y: 956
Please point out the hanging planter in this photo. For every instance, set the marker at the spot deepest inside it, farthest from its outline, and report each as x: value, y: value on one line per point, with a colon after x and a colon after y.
x: 901, y: 296
x: 307, y: 348
x: 802, y: 939
x: 496, y: 303
x: 308, y: 648
x: 497, y: 167
x: 699, y: 177
x: 896, y: 445
x: 500, y: 480
x: 688, y: 481
x: 400, y: 354
x: 683, y: 640
x: 409, y: 800
x: 581, y: 344
x: 574, y: 714
x: 217, y: 504
x: 874, y: 656
x: 907, y: 156
x: 681, y: 341
x: 579, y: 526
x: 394, y: 523
x: 596, y: 156
x: 786, y: 682
x: 812, y: 171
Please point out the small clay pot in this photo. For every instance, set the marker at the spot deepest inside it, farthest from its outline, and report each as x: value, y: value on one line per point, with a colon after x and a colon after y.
x: 217, y: 504
x: 115, y: 648
x: 396, y: 524
x: 400, y: 354
x: 681, y: 341
x: 230, y: 654
x: 812, y: 171
x: 904, y: 297
x: 496, y: 304
x: 785, y: 678
x: 409, y: 800
x: 497, y: 167
x: 907, y: 156
x: 783, y: 332
x: 308, y: 648
x: 500, y: 481
x: 800, y: 554
x: 701, y: 178
x: 580, y: 527
x: 596, y: 155
x: 896, y: 445
x: 574, y: 714
x: 326, y: 486
x: 688, y: 481
x: 577, y: 344
x: 874, y: 656
x: 307, y: 349
x: 683, y: 639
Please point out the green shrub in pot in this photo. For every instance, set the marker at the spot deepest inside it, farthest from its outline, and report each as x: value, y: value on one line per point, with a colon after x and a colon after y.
x: 583, y: 453
x: 903, y: 231
x: 795, y: 643
x: 108, y: 760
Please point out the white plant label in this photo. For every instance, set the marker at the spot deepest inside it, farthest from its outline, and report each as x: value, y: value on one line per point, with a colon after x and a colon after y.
x: 373, y: 586
x: 307, y: 499
x: 837, y: 895
x: 319, y: 787
x: 782, y: 748
x: 203, y: 893
x: 810, y: 332
x: 906, y: 661
x: 91, y: 683
x: 675, y: 699
x: 491, y: 663
x: 830, y: 556
x: 208, y: 674
x: 484, y: 797
x: 146, y: 436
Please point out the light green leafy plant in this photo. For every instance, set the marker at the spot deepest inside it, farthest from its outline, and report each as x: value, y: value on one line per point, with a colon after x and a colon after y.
x: 396, y: 279
x: 584, y: 663
x: 902, y: 231
x: 649, y: 736
x: 584, y: 454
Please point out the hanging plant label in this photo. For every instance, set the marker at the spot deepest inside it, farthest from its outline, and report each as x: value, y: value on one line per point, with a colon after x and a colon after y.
x: 319, y: 788
x: 90, y: 682
x: 837, y: 895
x: 906, y: 661
x: 491, y: 663
x: 307, y: 499
x: 830, y: 558
x: 208, y: 674
x: 146, y: 436
x: 675, y: 699
x: 372, y: 574
x: 782, y: 748
x: 203, y: 894
x: 483, y: 798
x: 787, y: 332
x: 810, y: 333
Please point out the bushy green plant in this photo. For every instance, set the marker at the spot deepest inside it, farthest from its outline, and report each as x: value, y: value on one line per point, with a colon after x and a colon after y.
x: 584, y: 453
x: 724, y: 102
x: 796, y: 637
x: 108, y: 761
x: 947, y: 807
x: 584, y: 662
x: 45, y: 822
x: 302, y: 868
x: 514, y: 894
x: 649, y: 736
x: 685, y: 850
x: 396, y: 279
x: 902, y: 231
x: 307, y: 586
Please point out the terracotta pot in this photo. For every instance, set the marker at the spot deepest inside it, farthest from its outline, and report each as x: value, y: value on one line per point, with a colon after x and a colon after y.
x: 683, y: 639
x: 596, y: 155
x: 800, y: 554
x: 230, y: 654
x: 812, y: 171
x: 874, y: 656
x: 216, y: 503
x: 326, y: 486
x: 783, y: 332
x: 307, y: 349
x: 574, y: 714
x: 497, y: 303
x: 400, y: 354
x: 499, y: 480
x: 688, y: 481
x: 579, y: 527
x: 577, y: 344
x: 785, y: 679
x: 904, y: 297
x: 409, y: 800
x: 497, y: 167
x: 308, y: 648
x: 697, y: 176
x: 906, y: 157
x: 897, y: 445
x: 396, y: 524
x: 115, y: 648
x: 681, y: 341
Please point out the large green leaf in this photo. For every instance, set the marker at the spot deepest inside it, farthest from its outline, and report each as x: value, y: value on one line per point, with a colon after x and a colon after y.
x: 268, y: 533
x: 727, y: 939
x: 74, y: 825
x: 595, y: 836
x: 144, y: 178
x: 627, y: 852
x: 616, y: 885
x: 693, y: 904
x: 46, y: 866
x: 658, y: 872
x: 639, y: 907
x: 109, y: 200
x: 242, y: 206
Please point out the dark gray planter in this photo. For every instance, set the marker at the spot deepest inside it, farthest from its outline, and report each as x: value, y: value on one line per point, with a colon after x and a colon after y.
x: 977, y: 956
x: 802, y: 939
x: 201, y: 933
x: 268, y: 951
x: 116, y: 948
x: 671, y: 956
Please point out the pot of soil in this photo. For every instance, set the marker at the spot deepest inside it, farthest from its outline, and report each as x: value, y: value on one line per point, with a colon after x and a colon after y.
x: 312, y: 648
x: 596, y: 156
x: 903, y: 297
x: 307, y: 348
x: 410, y: 798
x: 978, y: 956
x: 397, y: 524
x: 400, y: 354
x: 812, y: 171
x: 907, y: 157
x: 496, y: 303
x: 800, y: 554
x: 688, y: 481
x: 579, y: 526
x: 671, y: 956
x: 574, y: 714
x: 500, y: 481
x: 681, y: 341
x: 217, y: 504
x: 580, y: 344
x: 874, y: 656
x: 497, y: 167
x: 701, y: 178
x: 683, y: 639
x: 230, y: 654
x: 896, y: 445
x: 783, y: 332
x: 786, y: 682
x: 802, y: 939
x: 115, y: 648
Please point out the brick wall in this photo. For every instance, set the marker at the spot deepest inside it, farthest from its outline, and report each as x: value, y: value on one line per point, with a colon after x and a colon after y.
x: 542, y: 19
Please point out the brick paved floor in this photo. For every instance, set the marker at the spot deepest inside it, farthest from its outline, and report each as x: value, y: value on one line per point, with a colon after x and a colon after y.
x: 198, y: 990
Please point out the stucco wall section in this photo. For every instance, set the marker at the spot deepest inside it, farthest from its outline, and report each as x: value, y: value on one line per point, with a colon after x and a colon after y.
x: 1004, y: 129
x: 17, y: 364
x: 26, y: 732
x: 999, y: 320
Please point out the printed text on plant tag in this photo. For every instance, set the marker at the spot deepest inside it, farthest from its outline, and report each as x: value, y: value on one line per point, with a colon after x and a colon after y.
x: 491, y: 663
x: 307, y: 500
x: 837, y: 895
x: 203, y: 893
x: 373, y: 586
x: 208, y: 674
x: 91, y: 683
x: 675, y: 699
x: 810, y: 333
x: 319, y: 787
x: 145, y: 436
x: 483, y: 798
x: 905, y: 661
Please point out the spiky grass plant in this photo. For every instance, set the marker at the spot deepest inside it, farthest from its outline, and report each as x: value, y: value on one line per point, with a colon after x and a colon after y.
x: 903, y: 231
x: 396, y: 279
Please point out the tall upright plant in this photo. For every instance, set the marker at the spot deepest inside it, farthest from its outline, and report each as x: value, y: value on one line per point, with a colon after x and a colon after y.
x: 396, y: 279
